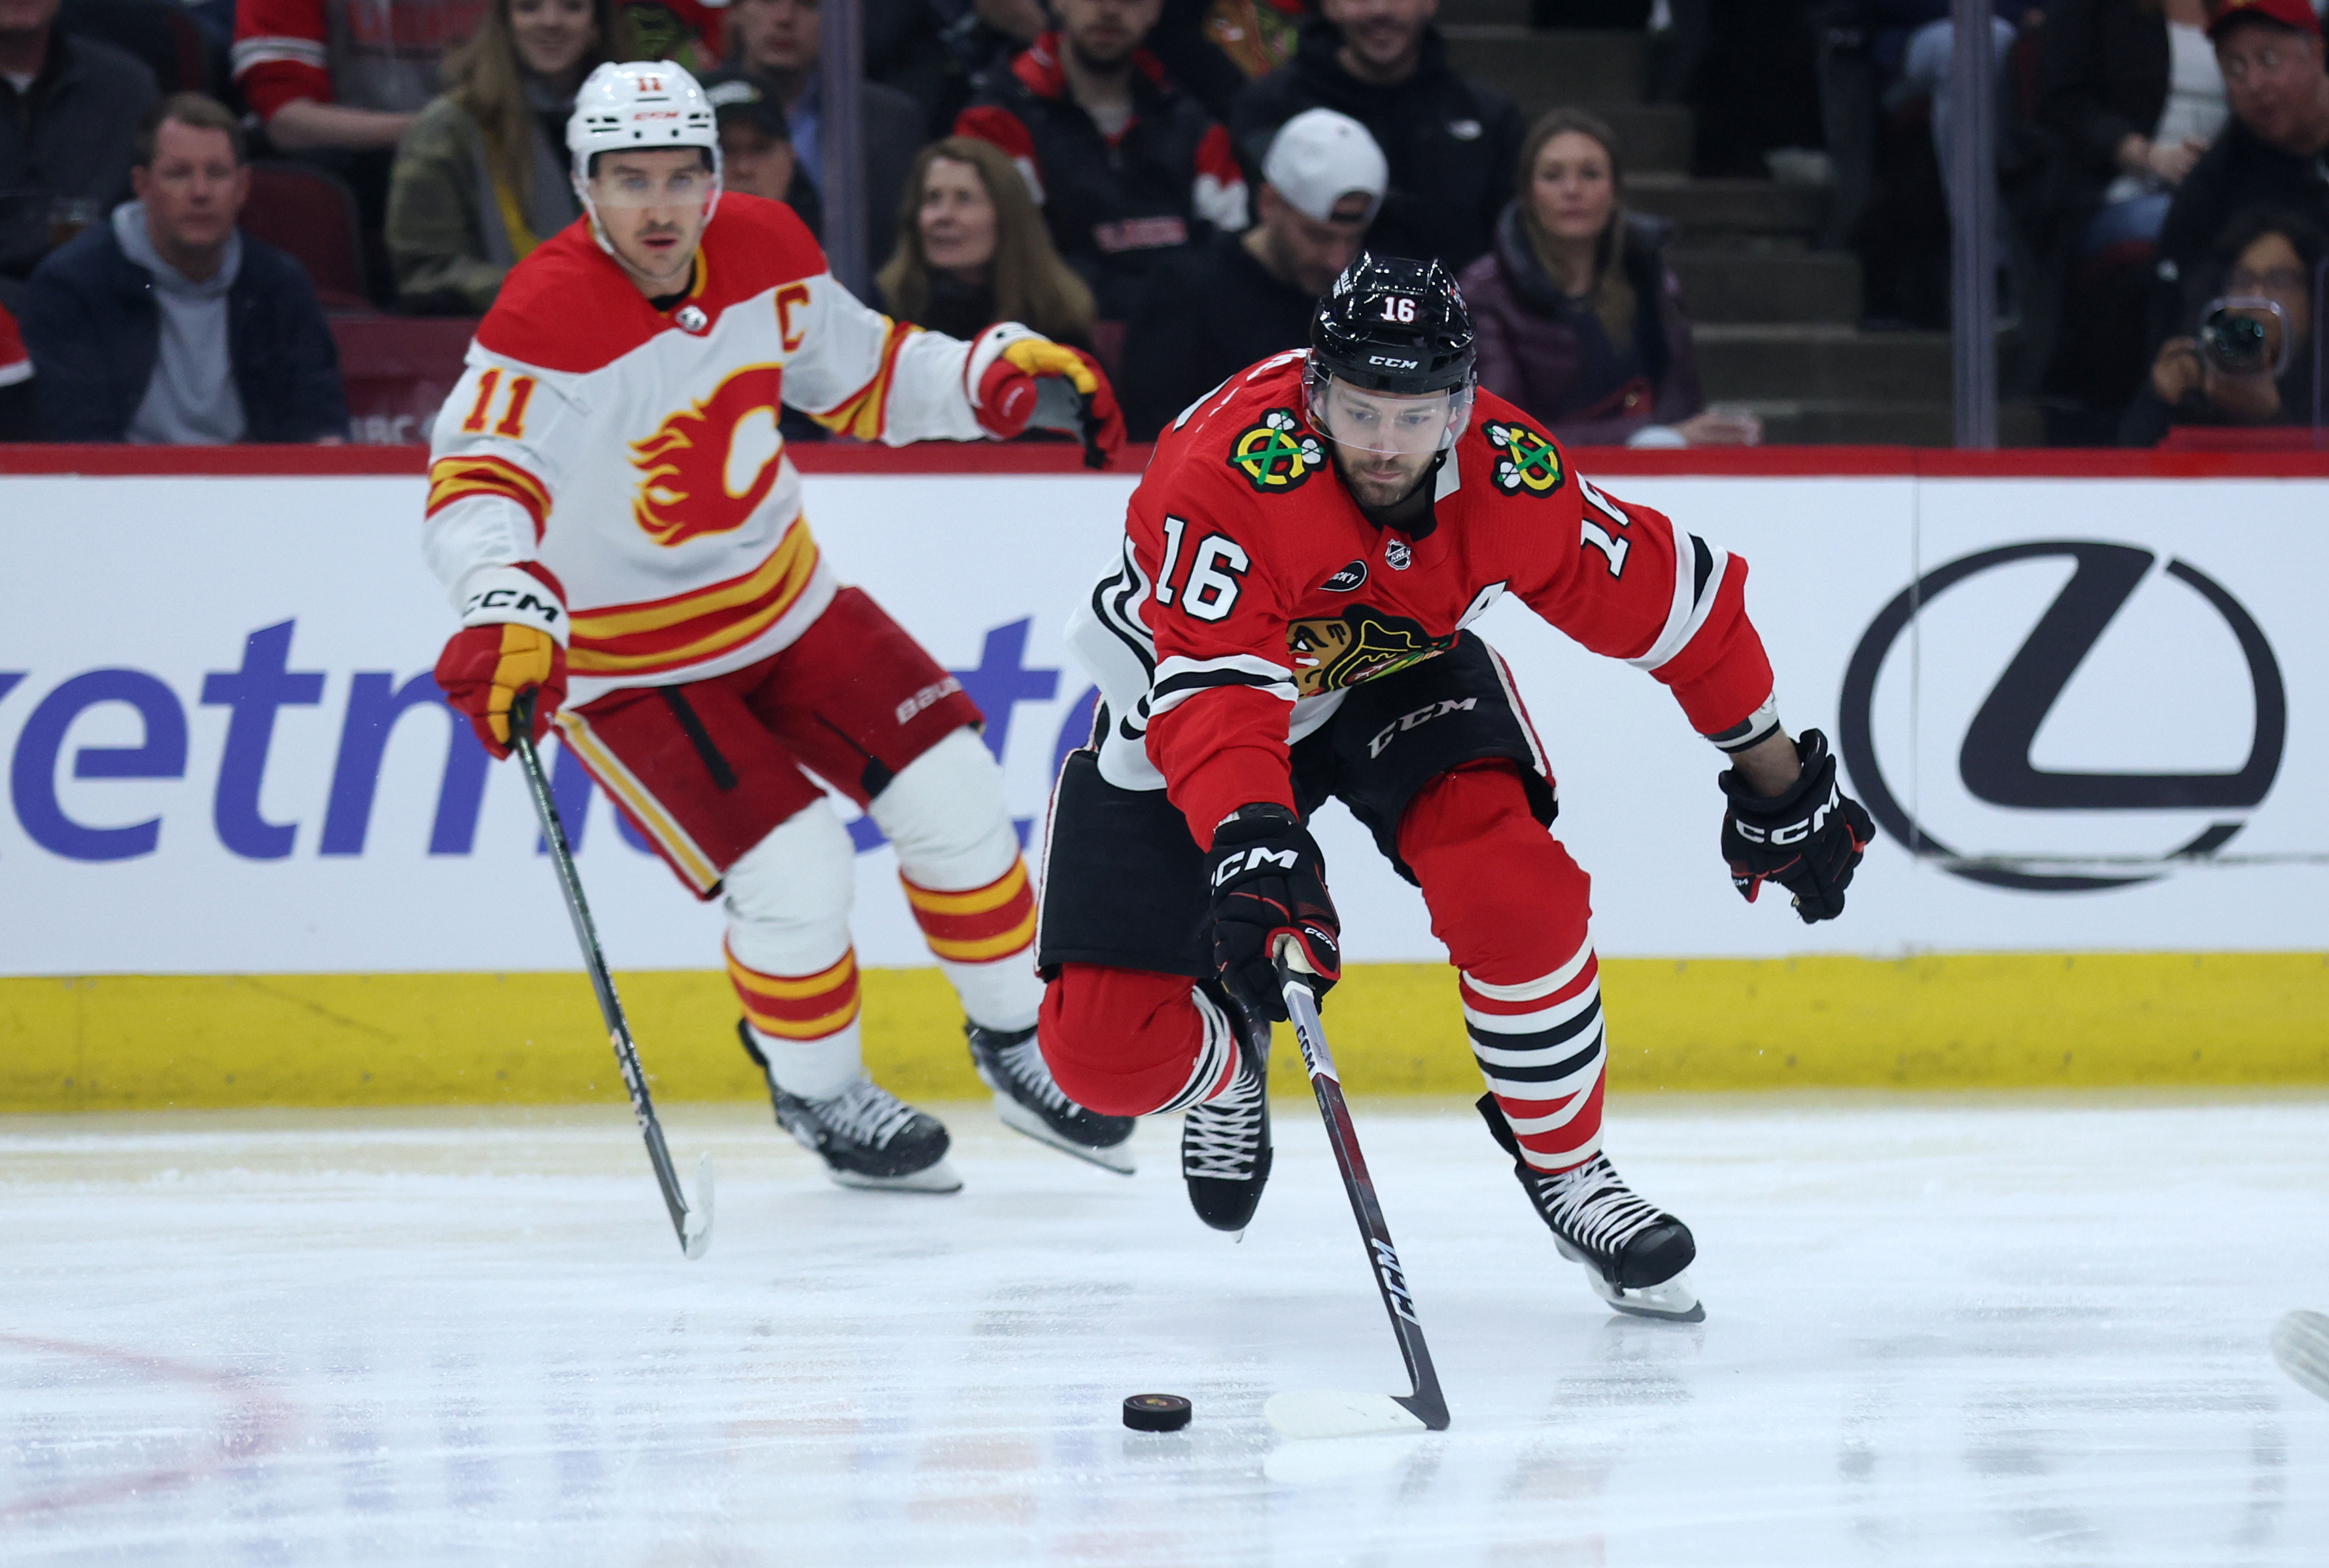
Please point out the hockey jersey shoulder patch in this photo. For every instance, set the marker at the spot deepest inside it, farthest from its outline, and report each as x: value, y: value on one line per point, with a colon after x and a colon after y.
x: 1525, y: 461
x: 1277, y: 454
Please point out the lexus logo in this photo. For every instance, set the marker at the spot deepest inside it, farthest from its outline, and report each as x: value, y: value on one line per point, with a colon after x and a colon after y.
x: 1993, y: 761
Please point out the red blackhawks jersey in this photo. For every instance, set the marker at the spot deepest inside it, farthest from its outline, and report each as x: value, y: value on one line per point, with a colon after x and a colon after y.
x: 633, y: 452
x: 1252, y: 592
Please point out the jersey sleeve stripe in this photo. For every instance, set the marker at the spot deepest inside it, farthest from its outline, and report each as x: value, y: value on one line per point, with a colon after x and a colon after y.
x: 864, y: 413
x: 1696, y: 588
x: 452, y: 479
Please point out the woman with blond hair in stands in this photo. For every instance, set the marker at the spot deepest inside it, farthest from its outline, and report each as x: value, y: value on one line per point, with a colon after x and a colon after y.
x: 972, y: 250
x: 1579, y: 318
x: 481, y: 178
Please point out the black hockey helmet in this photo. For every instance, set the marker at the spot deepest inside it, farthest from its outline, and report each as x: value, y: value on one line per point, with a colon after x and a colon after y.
x: 1391, y: 324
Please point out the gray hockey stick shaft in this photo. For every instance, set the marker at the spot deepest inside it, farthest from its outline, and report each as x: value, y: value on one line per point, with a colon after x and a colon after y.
x: 1426, y: 1404
x: 693, y: 1224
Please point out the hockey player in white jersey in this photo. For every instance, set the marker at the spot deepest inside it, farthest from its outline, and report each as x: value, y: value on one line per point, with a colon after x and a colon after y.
x: 612, y: 510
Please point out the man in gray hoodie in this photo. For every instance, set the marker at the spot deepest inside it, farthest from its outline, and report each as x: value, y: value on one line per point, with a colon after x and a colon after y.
x: 167, y: 325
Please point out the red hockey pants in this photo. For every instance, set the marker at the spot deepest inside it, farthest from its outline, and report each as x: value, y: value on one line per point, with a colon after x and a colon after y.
x: 1512, y: 908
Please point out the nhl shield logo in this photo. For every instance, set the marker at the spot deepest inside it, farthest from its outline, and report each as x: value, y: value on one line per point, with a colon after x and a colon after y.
x: 1397, y: 556
x: 691, y: 319
x: 1526, y: 462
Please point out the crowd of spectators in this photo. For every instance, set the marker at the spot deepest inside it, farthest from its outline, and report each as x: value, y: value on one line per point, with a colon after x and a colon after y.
x: 1171, y: 184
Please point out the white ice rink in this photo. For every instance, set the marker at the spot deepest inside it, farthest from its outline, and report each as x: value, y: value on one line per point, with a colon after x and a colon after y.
x: 1940, y: 1331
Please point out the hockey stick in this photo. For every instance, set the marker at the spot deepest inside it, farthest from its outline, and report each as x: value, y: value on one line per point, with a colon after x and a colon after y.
x: 1322, y: 1413
x: 693, y: 1224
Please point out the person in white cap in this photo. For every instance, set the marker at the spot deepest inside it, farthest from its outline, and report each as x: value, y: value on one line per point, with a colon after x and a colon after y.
x: 1245, y: 296
x: 612, y: 510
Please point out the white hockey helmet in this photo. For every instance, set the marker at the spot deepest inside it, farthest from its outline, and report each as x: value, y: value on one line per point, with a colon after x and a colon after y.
x: 639, y: 103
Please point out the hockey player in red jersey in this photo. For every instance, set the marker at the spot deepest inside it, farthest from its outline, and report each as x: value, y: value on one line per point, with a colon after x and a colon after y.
x: 613, y: 513
x: 1287, y: 623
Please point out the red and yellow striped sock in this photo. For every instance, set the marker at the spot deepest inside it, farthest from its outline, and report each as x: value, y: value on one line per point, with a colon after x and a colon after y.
x: 980, y: 924
x: 808, y: 1007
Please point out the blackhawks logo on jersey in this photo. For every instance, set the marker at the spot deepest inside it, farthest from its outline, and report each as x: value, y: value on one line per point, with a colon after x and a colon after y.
x: 1526, y: 462
x: 1272, y: 456
x: 1331, y: 653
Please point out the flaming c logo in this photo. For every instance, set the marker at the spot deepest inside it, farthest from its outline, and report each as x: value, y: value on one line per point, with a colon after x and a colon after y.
x: 706, y: 470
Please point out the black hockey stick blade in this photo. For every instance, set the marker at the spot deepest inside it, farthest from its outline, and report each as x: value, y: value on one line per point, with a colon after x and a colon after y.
x: 693, y: 1222
x: 1331, y: 1412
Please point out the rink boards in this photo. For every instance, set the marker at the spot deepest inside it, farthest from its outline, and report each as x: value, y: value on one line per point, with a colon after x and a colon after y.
x: 247, y: 859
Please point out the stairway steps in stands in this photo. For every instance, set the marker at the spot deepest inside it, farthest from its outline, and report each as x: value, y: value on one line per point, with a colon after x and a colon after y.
x: 1736, y: 285
x: 1538, y: 70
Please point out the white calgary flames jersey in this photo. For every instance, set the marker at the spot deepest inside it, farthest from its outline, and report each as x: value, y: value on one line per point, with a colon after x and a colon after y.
x: 634, y: 453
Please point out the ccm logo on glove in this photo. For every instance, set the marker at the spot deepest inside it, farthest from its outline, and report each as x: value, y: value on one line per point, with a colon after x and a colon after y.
x: 1792, y: 832
x: 1808, y: 839
x: 1254, y: 859
x: 1270, y: 885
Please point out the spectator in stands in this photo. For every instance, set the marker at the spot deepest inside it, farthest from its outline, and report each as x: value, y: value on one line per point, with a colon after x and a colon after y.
x: 20, y: 411
x: 2269, y: 52
x: 482, y: 177
x: 1238, y: 298
x: 2129, y: 98
x: 168, y: 324
x: 337, y: 83
x: 779, y: 41
x: 972, y: 250
x: 1212, y: 48
x: 1127, y: 167
x: 344, y: 75
x: 2133, y: 89
x: 1450, y: 142
x: 69, y: 110
x: 2248, y: 357
x: 756, y: 145
x: 1579, y: 319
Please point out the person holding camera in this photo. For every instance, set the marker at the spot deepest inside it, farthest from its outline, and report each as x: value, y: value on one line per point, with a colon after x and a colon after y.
x: 2249, y: 359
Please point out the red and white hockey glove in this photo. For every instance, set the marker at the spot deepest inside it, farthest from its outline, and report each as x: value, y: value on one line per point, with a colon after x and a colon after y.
x: 1012, y: 393
x: 1269, y: 883
x: 1808, y: 839
x: 514, y: 640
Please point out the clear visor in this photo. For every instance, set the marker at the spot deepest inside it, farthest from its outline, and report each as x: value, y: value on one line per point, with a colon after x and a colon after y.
x: 618, y: 188
x: 1387, y: 424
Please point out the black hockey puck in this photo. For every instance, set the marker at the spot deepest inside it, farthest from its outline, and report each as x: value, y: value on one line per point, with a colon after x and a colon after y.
x: 1156, y: 1413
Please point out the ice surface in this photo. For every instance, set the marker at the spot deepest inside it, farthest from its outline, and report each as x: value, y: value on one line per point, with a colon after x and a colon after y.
x: 1940, y: 1331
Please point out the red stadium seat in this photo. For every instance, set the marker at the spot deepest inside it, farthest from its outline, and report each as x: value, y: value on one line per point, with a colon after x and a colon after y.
x: 397, y: 370
x: 313, y: 215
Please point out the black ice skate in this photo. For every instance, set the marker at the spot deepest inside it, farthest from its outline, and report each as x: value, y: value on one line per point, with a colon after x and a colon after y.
x: 1029, y: 1102
x: 866, y: 1136
x: 1635, y: 1253
x: 1225, y: 1143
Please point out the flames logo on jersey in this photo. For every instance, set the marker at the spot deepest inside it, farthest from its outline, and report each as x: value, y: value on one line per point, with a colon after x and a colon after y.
x: 1525, y: 461
x: 1331, y: 653
x: 1272, y: 458
x: 687, y: 466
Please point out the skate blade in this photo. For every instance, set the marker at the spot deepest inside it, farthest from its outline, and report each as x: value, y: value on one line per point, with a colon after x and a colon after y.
x: 1670, y: 1302
x: 935, y: 1178
x: 1116, y: 1157
x: 2300, y: 1343
x: 1332, y: 1412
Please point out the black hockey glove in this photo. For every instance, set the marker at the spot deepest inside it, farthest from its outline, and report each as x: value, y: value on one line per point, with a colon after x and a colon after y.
x: 1807, y: 839
x: 1268, y: 880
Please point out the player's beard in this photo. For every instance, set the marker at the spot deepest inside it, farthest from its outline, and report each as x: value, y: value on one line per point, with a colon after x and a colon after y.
x: 1379, y: 481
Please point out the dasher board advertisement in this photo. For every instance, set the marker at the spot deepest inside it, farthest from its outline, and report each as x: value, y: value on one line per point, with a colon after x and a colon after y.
x: 2086, y: 715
